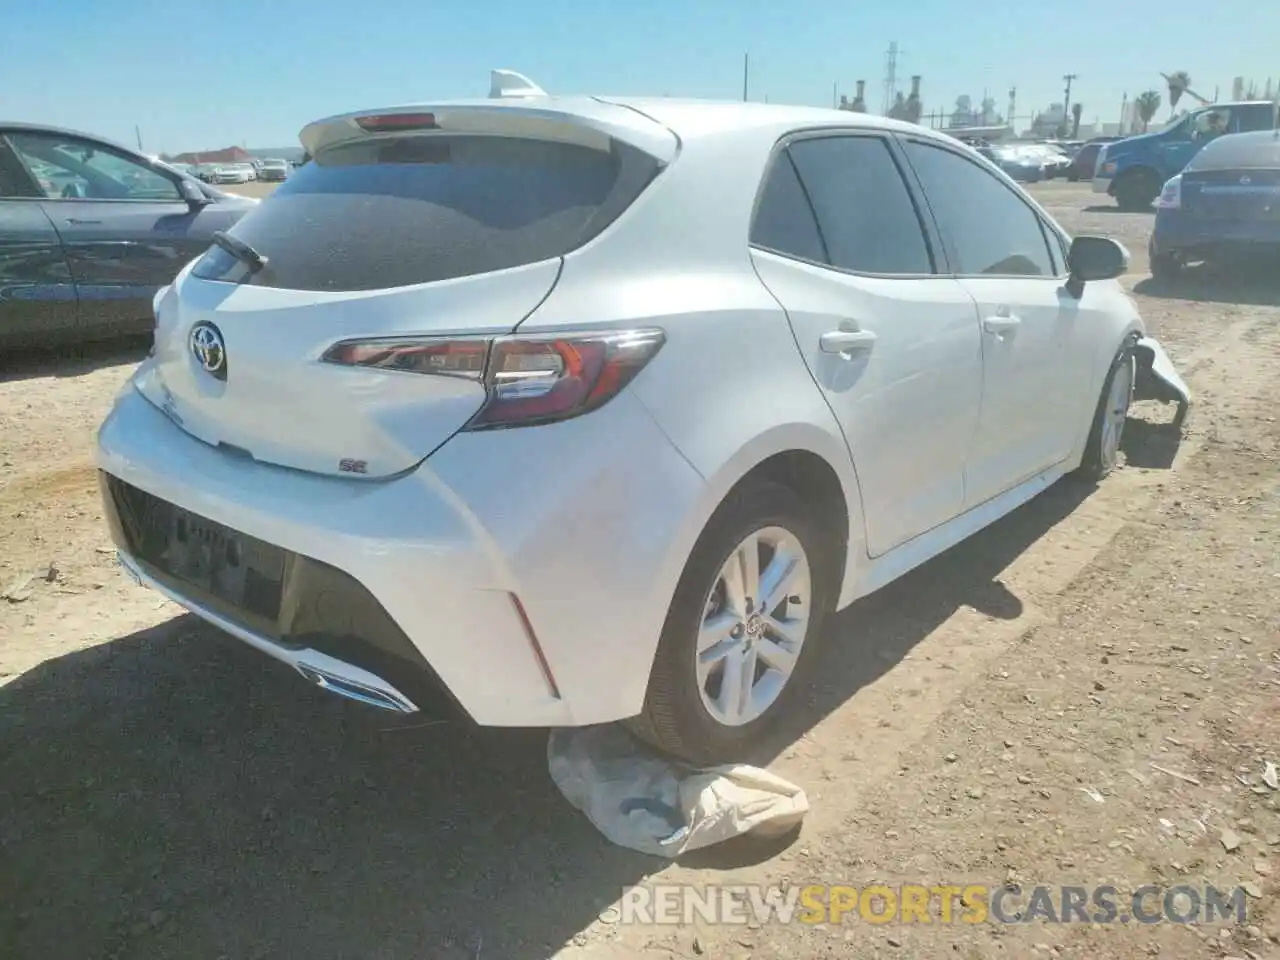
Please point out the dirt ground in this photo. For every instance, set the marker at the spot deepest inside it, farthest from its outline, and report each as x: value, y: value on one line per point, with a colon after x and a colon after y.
x: 996, y: 716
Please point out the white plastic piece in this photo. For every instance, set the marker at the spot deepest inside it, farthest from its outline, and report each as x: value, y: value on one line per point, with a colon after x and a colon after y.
x: 507, y: 83
x: 647, y: 803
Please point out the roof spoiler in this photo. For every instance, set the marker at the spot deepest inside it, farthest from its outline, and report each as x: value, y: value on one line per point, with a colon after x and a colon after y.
x: 516, y: 106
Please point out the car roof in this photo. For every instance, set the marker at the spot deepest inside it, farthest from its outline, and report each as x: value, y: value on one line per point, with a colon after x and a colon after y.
x: 690, y: 117
x: 1259, y: 148
x: 21, y: 127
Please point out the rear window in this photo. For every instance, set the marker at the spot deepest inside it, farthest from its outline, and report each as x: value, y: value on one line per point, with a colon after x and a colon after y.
x: 394, y: 212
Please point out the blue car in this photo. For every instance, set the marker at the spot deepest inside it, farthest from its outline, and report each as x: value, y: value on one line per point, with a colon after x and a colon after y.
x: 1132, y: 170
x: 1226, y: 202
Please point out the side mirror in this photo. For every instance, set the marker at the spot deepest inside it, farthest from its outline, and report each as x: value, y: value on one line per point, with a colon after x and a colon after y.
x: 1094, y: 258
x: 192, y: 193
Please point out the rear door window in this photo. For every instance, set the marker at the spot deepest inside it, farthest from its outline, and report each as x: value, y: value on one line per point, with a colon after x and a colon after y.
x: 784, y: 220
x: 865, y: 212
x: 408, y: 210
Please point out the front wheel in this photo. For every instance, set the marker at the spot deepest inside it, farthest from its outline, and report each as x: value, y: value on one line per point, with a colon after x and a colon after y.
x: 741, y: 628
x: 1102, y: 451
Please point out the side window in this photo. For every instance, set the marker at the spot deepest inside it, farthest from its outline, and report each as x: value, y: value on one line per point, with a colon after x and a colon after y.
x: 1256, y: 116
x: 1208, y: 124
x: 70, y: 169
x: 865, y: 213
x: 14, y: 181
x: 988, y: 227
x: 784, y: 220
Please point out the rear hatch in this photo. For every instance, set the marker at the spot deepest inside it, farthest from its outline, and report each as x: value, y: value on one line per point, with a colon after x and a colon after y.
x: 1238, y: 195
x: 405, y: 224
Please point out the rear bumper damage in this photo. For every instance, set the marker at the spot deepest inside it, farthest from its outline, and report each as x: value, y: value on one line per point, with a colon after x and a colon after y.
x: 527, y: 574
x: 1157, y: 379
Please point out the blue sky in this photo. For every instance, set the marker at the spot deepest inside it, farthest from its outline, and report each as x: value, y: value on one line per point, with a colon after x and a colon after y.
x: 199, y: 75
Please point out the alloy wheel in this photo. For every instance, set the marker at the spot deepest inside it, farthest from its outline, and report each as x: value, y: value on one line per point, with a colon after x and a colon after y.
x: 755, y: 621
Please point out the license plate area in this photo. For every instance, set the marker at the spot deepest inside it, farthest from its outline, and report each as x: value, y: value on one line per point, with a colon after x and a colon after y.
x: 232, y: 566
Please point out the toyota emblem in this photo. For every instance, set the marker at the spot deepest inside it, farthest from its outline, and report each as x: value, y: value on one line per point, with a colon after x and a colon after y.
x: 1246, y: 180
x: 209, y: 349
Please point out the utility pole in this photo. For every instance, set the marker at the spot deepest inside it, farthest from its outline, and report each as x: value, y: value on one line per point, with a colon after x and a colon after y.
x: 746, y: 70
x: 137, y: 132
x: 1066, y: 99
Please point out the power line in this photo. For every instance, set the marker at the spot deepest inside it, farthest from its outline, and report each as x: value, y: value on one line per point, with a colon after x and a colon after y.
x: 890, y: 77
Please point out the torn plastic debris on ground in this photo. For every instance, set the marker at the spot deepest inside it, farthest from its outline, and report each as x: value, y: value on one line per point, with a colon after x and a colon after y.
x: 646, y: 802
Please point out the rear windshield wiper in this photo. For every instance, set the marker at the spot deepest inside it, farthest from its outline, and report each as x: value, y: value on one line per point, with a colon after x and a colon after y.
x: 240, y: 250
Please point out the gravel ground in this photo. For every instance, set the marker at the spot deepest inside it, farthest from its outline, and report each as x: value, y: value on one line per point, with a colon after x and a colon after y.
x: 997, y: 716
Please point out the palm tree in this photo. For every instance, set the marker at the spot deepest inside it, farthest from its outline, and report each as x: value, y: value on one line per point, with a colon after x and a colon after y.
x: 1147, y: 103
x: 1179, y: 82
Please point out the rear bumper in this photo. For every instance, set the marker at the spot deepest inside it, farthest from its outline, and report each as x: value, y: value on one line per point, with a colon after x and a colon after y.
x: 1102, y: 185
x: 1180, y: 233
x: 341, y: 676
x: 402, y: 584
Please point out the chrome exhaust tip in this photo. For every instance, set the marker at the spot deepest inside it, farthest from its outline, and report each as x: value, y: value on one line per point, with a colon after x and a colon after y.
x: 351, y: 690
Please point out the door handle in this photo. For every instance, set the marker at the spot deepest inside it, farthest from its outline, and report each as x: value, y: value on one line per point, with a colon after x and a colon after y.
x: 84, y: 223
x: 846, y: 342
x: 1001, y: 324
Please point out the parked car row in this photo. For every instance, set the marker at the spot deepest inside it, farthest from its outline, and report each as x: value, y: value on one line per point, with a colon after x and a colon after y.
x: 243, y: 171
x: 1023, y: 161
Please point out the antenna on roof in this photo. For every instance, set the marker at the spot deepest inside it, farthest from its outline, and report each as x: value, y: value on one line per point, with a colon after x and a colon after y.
x: 508, y: 83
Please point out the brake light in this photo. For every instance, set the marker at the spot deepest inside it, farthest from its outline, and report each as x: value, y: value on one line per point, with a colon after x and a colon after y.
x: 527, y: 379
x: 446, y: 358
x: 385, y: 122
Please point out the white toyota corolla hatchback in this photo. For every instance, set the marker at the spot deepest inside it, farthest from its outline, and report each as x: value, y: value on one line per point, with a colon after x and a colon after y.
x: 587, y: 409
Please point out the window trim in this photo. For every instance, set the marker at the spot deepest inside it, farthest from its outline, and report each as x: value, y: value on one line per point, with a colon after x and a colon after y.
x: 780, y: 155
x: 101, y: 147
x: 31, y: 184
x: 1013, y: 190
x: 932, y: 241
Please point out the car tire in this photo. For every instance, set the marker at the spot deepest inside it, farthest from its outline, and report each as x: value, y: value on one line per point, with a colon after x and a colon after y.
x: 684, y: 713
x: 1107, y: 431
x: 1136, y: 191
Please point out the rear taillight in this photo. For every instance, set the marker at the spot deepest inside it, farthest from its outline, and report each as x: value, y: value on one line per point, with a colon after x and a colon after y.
x: 1171, y: 196
x: 528, y: 379
x: 155, y: 317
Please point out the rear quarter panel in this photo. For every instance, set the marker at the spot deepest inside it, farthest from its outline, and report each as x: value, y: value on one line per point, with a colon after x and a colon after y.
x: 729, y: 388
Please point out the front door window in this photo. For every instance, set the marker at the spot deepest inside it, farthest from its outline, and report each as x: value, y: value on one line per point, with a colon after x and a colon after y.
x: 69, y: 169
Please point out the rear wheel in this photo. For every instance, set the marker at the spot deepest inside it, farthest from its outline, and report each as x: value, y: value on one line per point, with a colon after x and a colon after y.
x: 1103, y: 449
x: 741, y: 628
x: 1137, y: 190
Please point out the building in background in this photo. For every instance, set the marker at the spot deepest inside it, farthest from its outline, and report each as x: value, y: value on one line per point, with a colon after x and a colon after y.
x: 225, y: 155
